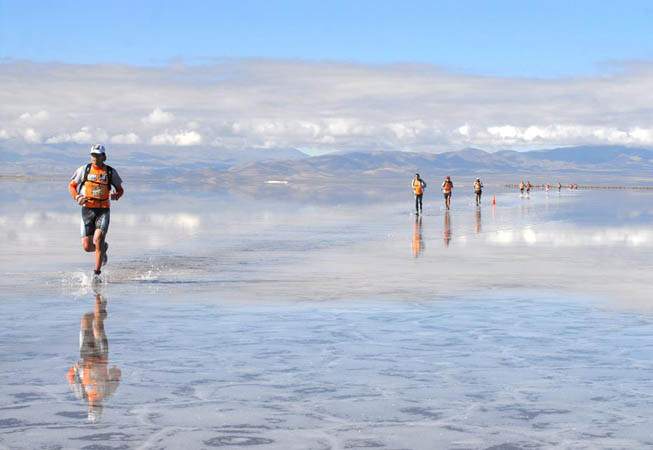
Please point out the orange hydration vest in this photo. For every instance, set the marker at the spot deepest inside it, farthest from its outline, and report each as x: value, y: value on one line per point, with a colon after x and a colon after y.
x: 447, y: 186
x: 477, y: 185
x: 97, y: 187
x: 417, y: 187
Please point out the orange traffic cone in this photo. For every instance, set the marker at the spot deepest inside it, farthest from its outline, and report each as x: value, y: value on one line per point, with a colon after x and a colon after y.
x: 494, y: 200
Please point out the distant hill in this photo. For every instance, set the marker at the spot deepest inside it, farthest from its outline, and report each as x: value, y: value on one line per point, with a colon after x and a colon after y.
x: 226, y: 167
x: 17, y: 158
x: 609, y: 161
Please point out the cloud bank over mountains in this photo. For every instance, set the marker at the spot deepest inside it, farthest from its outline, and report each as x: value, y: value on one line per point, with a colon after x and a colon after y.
x: 319, y: 106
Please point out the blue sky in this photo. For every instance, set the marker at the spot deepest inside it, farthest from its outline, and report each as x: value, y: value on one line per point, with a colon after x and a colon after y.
x: 505, y: 38
x: 329, y: 75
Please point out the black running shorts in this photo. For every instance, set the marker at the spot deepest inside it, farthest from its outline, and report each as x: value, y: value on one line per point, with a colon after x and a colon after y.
x: 93, y: 219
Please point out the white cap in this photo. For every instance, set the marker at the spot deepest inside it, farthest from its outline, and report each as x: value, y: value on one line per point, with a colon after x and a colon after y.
x: 97, y: 149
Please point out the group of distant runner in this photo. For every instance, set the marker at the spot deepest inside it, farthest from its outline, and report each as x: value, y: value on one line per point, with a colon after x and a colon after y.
x: 547, y: 187
x: 418, y: 185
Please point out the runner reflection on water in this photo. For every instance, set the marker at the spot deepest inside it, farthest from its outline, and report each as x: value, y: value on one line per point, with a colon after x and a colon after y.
x: 418, y: 242
x: 447, y: 228
x: 90, y: 378
x: 477, y: 221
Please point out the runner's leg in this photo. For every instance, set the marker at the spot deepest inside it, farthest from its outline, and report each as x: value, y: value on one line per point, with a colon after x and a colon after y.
x: 87, y: 244
x: 98, y: 241
x: 101, y: 230
x: 88, y: 229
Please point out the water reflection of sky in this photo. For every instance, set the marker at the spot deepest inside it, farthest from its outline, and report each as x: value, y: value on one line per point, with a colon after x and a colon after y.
x: 235, y: 319
x: 495, y: 371
x: 290, y: 246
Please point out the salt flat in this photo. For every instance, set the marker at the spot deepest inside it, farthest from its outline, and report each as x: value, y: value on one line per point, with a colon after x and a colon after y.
x: 321, y: 317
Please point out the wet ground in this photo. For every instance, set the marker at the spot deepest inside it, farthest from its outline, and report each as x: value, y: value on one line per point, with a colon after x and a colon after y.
x: 232, y: 320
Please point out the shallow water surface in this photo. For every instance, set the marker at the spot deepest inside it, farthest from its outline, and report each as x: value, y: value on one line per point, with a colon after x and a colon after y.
x: 270, y: 321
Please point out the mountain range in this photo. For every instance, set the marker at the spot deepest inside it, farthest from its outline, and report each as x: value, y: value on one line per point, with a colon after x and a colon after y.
x: 587, y: 162
x: 219, y: 166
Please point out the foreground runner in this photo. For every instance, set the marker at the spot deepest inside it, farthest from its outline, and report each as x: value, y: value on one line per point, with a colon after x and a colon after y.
x: 418, y: 188
x: 90, y: 186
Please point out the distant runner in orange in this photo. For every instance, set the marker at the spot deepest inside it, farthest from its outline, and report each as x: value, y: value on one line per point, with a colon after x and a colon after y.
x: 447, y: 187
x: 478, y: 191
x: 418, y: 186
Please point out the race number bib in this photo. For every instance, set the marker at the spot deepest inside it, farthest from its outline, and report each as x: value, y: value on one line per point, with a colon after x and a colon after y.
x: 98, y: 191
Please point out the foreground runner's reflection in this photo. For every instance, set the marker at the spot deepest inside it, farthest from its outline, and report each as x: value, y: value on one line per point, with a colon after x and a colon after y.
x: 90, y: 378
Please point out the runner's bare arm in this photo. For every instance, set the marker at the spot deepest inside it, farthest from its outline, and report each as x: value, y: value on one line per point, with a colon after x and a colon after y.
x: 79, y: 198
x: 72, y: 187
x: 119, y: 193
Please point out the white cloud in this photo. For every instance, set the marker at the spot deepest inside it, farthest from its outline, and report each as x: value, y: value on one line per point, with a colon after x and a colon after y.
x: 323, y: 106
x: 504, y: 132
x: 348, y: 127
x: 561, y: 134
x: 39, y: 116
x: 181, y: 139
x: 610, y: 135
x: 30, y: 135
x: 188, y: 138
x: 158, y: 117
x: 406, y: 130
x: 58, y: 139
x: 129, y: 138
x: 277, y: 127
x: 84, y: 135
x: 163, y: 139
x: 642, y: 135
x: 4, y: 134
